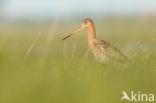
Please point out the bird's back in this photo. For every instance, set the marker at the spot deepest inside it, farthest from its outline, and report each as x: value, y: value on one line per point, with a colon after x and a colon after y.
x: 104, y: 51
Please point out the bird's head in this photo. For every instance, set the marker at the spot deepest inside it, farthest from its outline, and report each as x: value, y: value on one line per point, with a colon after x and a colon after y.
x: 85, y: 24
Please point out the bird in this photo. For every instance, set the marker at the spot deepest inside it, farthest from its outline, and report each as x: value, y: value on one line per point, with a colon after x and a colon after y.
x: 125, y: 96
x: 102, y: 50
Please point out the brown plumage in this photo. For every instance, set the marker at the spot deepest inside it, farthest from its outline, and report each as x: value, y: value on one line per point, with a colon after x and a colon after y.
x: 101, y: 49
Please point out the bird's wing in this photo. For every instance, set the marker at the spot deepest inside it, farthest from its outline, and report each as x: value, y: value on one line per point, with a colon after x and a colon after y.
x: 124, y: 93
x: 110, y: 50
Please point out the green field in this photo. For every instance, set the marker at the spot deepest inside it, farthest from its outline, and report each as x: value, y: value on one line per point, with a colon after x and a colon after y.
x: 37, y: 67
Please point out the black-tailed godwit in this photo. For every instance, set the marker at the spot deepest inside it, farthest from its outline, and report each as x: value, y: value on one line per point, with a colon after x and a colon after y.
x: 101, y: 49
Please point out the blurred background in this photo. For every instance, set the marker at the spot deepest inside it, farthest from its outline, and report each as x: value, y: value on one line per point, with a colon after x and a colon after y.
x: 37, y: 67
x: 69, y: 9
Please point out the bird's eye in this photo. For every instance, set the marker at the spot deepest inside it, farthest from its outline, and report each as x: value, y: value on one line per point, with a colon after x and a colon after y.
x: 86, y: 22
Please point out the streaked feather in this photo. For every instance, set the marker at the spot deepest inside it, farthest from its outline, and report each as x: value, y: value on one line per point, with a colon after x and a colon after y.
x: 104, y: 51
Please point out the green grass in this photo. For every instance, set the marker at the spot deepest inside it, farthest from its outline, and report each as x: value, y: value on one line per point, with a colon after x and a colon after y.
x: 37, y: 67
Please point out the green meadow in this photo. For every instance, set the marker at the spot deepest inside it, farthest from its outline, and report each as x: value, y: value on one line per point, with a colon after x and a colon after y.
x: 36, y: 66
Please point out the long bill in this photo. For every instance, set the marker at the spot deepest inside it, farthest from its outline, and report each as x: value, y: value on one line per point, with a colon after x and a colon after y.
x: 70, y: 34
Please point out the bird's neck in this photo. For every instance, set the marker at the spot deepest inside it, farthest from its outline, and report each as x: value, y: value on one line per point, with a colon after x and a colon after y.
x: 91, y: 33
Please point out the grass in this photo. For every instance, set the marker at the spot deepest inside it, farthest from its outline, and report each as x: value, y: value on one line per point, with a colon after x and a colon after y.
x: 37, y: 67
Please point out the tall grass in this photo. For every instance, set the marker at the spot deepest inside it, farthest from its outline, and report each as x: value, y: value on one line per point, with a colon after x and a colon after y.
x: 37, y: 67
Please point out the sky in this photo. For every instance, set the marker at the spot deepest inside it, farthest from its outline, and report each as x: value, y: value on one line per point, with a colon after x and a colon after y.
x: 71, y: 8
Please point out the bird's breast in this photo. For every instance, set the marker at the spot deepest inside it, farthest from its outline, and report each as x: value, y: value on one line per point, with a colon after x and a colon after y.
x: 97, y: 50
